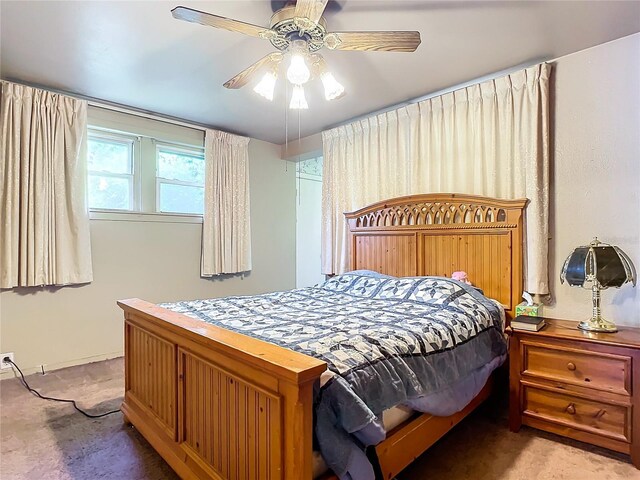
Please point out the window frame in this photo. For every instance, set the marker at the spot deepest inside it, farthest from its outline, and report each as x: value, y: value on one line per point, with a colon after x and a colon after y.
x: 133, y: 142
x: 145, y: 169
x: 175, y: 148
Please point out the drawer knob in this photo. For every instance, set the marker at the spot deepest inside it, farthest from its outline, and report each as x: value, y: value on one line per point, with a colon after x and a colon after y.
x: 571, y: 409
x: 571, y: 366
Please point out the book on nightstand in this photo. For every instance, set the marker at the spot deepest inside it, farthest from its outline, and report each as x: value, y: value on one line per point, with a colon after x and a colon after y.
x: 533, y: 324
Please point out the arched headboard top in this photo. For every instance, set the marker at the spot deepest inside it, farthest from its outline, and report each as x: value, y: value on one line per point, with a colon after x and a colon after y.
x: 439, y: 233
x: 438, y: 210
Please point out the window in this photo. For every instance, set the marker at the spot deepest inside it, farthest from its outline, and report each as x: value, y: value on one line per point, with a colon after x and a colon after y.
x: 134, y: 171
x: 179, y: 180
x: 111, y: 169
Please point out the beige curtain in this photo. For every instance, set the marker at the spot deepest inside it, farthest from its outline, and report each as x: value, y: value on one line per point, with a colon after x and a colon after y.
x: 226, y: 229
x: 488, y: 139
x: 44, y: 236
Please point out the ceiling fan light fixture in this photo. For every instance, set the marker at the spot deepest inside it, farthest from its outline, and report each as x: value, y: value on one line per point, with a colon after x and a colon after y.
x: 298, y: 72
x: 332, y: 88
x: 298, y: 100
x: 266, y: 86
x: 298, y: 30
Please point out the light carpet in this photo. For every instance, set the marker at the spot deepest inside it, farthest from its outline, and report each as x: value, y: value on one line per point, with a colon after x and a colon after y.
x: 46, y: 440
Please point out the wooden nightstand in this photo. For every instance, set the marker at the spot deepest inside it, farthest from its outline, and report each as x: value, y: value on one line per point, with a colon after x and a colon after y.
x: 581, y: 385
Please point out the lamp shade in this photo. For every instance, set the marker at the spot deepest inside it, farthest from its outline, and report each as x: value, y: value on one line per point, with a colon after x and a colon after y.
x: 598, y: 266
x: 598, y: 262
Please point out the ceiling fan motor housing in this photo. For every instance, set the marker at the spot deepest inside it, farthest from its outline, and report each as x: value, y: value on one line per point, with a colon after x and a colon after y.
x: 284, y: 24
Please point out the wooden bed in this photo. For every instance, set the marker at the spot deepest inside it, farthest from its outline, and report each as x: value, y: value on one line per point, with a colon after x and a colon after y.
x: 216, y: 404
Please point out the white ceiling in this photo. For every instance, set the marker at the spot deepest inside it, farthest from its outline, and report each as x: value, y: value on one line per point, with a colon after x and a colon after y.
x: 134, y: 53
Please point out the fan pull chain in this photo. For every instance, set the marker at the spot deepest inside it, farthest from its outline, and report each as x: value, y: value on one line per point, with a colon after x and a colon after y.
x: 286, y: 124
x: 299, y: 164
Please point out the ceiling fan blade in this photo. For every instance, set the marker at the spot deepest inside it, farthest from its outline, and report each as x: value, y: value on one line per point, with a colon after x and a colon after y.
x: 204, y: 18
x: 311, y: 9
x: 373, y: 41
x: 245, y: 76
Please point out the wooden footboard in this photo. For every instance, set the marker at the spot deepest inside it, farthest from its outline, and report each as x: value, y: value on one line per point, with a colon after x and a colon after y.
x: 214, y: 403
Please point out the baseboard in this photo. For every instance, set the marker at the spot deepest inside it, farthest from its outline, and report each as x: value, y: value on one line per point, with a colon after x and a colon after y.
x: 57, y: 366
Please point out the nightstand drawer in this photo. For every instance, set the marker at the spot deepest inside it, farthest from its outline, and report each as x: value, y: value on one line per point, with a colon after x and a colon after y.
x: 592, y: 416
x: 602, y: 371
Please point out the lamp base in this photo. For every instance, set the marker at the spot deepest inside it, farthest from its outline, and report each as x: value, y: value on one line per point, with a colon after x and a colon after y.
x: 598, y: 324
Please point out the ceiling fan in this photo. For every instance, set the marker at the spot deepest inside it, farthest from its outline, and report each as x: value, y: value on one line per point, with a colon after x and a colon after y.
x: 299, y: 31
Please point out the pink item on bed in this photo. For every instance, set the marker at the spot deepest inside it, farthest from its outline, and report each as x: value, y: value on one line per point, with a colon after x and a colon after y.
x: 461, y: 277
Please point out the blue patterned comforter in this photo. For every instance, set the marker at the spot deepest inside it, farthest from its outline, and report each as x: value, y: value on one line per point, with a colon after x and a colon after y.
x: 386, y: 341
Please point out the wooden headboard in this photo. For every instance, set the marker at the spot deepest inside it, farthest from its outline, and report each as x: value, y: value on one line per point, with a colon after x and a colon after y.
x: 438, y: 234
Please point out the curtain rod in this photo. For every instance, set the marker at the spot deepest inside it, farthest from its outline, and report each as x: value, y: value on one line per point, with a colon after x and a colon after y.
x: 200, y: 126
x: 116, y: 107
x: 437, y: 93
x: 145, y: 114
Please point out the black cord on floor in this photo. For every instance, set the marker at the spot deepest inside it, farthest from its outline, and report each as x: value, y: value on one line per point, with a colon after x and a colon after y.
x: 43, y: 397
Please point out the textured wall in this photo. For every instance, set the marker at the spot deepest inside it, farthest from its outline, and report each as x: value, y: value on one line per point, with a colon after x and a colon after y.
x: 596, y: 169
x: 153, y: 261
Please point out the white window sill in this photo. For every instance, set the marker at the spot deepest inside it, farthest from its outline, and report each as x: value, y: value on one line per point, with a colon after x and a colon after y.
x: 119, y: 216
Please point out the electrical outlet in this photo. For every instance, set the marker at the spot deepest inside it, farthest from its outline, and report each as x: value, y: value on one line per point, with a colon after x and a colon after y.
x: 6, y: 365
